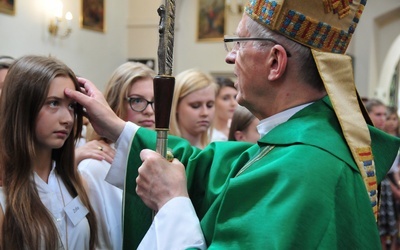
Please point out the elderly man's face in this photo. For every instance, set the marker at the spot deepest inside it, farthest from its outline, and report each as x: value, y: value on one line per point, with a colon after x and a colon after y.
x: 3, y: 73
x: 251, y: 68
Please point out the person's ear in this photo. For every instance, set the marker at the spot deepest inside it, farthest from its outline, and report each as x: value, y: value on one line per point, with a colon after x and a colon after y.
x: 238, y: 135
x: 277, y: 61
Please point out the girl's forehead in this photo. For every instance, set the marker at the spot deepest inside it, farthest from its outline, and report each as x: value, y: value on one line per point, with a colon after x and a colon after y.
x: 59, y: 84
x: 204, y: 94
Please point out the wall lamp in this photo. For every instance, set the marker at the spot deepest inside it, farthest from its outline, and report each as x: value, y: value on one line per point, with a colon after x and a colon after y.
x: 57, y: 23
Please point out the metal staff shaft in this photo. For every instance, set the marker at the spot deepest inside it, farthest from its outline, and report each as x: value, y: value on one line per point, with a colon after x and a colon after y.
x: 163, y: 93
x: 164, y: 83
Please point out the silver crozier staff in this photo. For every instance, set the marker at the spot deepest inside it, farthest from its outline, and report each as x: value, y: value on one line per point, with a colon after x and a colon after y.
x: 164, y: 82
x: 164, y: 85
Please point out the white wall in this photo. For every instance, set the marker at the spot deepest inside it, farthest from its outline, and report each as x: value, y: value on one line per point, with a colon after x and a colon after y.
x: 374, y: 36
x: 143, y: 29
x: 90, y: 54
x: 387, y: 72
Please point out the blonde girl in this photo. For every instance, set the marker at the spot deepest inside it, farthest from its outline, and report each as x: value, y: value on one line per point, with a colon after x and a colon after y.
x: 193, y: 107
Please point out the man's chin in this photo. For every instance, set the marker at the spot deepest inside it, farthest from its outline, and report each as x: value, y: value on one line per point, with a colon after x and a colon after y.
x: 240, y: 100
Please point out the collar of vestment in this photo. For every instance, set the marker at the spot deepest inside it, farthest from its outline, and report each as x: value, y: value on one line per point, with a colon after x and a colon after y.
x: 269, y: 123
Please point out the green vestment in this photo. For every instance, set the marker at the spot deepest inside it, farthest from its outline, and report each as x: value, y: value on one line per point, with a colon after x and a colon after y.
x: 306, y: 193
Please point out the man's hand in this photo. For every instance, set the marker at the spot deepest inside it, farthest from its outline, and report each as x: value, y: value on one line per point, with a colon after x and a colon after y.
x: 160, y: 180
x: 103, y: 119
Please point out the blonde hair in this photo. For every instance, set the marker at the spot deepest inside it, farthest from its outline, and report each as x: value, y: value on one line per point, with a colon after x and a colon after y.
x: 118, y: 87
x: 186, y: 83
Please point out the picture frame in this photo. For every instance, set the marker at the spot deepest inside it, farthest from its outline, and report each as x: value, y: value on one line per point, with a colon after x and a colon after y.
x: 92, y: 15
x: 7, y: 7
x: 211, y: 20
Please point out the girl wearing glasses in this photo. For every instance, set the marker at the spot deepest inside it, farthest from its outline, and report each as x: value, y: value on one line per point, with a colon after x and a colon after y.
x: 129, y: 92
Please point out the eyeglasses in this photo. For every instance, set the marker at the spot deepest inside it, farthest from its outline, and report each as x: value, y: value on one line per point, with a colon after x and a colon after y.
x: 139, y: 104
x: 234, y: 42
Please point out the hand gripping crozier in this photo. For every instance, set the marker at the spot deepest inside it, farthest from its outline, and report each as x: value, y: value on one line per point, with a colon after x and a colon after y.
x: 164, y: 84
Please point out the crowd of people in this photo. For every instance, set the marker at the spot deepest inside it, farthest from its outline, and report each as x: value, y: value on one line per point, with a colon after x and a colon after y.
x: 129, y: 93
x: 281, y: 157
x: 386, y: 118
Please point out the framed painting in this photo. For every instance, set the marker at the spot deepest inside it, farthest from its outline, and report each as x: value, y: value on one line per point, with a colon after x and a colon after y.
x: 211, y: 20
x: 7, y: 7
x: 92, y: 16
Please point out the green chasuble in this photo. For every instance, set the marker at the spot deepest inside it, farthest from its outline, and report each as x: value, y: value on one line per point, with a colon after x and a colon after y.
x: 305, y: 193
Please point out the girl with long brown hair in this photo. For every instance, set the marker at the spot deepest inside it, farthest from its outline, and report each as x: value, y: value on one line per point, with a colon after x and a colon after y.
x: 43, y: 201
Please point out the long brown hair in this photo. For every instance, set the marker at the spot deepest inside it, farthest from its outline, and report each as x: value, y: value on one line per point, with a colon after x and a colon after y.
x: 241, y: 120
x: 27, y: 222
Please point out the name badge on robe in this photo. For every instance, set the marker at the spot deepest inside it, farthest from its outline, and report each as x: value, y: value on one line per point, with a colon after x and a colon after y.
x: 76, y: 211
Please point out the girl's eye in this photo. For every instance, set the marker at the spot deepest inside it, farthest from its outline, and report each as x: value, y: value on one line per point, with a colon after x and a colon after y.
x: 72, y: 106
x: 195, y: 105
x: 210, y: 104
x: 53, y: 103
x: 138, y: 100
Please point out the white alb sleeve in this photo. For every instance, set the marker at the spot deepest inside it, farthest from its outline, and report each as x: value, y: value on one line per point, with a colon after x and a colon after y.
x: 116, y: 175
x: 175, y: 226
